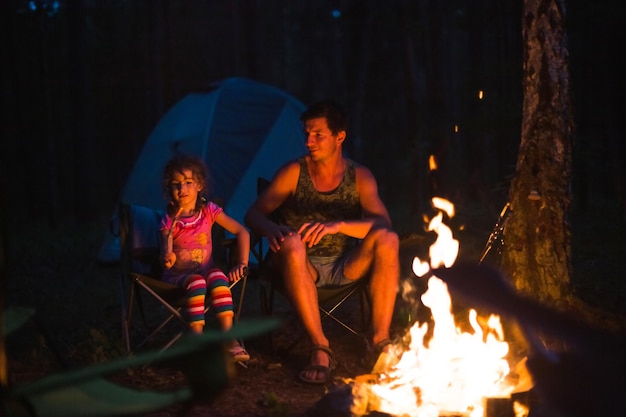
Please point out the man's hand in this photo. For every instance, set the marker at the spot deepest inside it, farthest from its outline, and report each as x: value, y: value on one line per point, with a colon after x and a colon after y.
x: 276, y: 235
x: 311, y: 233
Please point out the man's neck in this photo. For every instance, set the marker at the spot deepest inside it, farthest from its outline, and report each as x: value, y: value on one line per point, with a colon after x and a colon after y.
x: 327, y: 175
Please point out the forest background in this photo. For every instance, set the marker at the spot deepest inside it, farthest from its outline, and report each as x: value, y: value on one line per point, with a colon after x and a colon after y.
x: 85, y: 82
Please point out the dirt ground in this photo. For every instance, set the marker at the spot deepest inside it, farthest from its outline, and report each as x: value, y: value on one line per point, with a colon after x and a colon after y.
x: 267, y: 386
x: 78, y: 302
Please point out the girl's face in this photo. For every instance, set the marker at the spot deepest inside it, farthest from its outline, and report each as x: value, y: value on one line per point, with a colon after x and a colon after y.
x: 184, y: 189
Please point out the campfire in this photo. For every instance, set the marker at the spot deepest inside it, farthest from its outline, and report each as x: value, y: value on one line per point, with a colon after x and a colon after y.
x: 450, y: 372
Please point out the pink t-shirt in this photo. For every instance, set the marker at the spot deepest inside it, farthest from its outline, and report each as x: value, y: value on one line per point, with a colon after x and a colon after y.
x: 191, y: 242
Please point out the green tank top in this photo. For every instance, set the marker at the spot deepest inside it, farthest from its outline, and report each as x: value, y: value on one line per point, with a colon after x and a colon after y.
x: 307, y: 205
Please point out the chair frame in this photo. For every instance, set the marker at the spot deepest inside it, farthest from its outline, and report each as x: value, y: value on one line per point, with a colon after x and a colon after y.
x: 171, y: 297
x: 330, y: 299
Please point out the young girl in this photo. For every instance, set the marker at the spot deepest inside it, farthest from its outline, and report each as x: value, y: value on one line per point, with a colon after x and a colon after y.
x: 187, y: 244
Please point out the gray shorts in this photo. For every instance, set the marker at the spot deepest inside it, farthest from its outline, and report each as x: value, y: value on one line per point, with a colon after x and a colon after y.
x: 330, y: 270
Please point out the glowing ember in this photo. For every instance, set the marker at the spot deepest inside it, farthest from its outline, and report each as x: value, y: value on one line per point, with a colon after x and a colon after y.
x: 452, y: 372
x: 432, y: 163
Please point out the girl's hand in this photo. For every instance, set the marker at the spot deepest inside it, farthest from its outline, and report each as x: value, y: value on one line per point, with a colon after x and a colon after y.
x: 169, y: 259
x: 239, y: 271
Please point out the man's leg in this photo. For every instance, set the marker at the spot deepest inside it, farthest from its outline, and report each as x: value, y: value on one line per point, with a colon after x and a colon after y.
x: 299, y: 280
x: 378, y: 254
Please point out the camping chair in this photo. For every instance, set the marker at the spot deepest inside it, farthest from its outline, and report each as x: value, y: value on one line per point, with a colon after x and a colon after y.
x: 330, y: 298
x: 87, y: 391
x: 140, y: 273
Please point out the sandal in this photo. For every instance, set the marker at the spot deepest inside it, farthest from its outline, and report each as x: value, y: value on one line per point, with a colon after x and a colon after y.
x: 239, y: 353
x: 380, y: 346
x: 320, y: 369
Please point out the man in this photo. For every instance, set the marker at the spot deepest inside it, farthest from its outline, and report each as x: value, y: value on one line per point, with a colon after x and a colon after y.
x: 328, y: 203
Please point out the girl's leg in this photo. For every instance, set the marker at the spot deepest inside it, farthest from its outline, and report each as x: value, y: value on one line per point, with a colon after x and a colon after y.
x: 221, y: 298
x: 222, y: 302
x: 196, y: 288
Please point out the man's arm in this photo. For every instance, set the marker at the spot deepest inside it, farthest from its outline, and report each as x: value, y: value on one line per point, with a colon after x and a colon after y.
x: 371, y: 204
x: 374, y: 214
x: 280, y: 188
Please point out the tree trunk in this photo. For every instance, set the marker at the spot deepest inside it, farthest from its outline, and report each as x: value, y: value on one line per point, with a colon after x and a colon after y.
x: 537, y: 252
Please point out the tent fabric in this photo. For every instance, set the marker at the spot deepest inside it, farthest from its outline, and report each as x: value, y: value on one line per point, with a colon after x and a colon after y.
x: 243, y: 129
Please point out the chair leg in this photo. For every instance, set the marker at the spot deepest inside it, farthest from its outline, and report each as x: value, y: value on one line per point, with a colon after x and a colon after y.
x: 324, y: 313
x: 127, y: 317
x: 241, y: 295
x: 271, y: 300
x: 51, y: 343
x: 366, y: 307
x: 266, y: 294
x: 263, y: 299
x: 157, y: 330
x: 341, y: 323
x: 174, y: 311
x: 134, y: 297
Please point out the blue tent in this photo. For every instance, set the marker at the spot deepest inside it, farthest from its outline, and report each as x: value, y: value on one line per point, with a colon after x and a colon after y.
x: 242, y: 128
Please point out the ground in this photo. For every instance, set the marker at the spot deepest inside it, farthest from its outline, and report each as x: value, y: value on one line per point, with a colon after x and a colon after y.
x: 78, y: 301
x: 268, y: 386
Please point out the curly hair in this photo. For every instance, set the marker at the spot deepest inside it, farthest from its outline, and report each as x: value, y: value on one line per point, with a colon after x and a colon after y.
x: 199, y: 172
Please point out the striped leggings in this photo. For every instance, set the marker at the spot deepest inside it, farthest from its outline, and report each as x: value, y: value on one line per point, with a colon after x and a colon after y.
x: 221, y: 298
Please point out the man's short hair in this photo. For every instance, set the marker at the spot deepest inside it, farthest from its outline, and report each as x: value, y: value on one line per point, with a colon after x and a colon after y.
x: 336, y: 117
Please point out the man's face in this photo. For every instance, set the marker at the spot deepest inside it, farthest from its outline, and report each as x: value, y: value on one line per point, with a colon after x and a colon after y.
x: 320, y: 141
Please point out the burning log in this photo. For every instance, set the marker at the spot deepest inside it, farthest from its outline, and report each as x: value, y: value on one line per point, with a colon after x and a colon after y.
x: 499, y: 407
x: 341, y: 401
x: 351, y: 399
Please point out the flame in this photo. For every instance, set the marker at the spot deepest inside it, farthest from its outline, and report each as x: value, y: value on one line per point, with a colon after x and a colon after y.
x: 453, y: 371
x: 432, y: 163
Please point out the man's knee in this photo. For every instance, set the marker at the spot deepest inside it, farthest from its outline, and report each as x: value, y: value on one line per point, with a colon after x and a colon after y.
x: 291, y: 248
x: 385, y: 239
x: 292, y: 243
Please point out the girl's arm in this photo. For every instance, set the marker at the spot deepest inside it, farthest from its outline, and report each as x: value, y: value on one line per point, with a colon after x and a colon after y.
x: 243, y: 243
x: 168, y: 257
